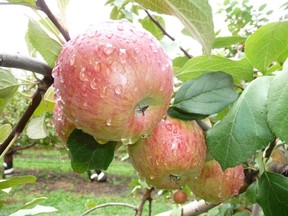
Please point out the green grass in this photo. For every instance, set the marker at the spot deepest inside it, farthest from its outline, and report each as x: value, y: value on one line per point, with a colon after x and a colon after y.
x: 52, y: 166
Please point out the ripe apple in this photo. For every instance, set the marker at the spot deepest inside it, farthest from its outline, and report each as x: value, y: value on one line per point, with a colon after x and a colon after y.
x: 172, y: 154
x: 114, y: 81
x: 215, y: 185
x: 179, y: 197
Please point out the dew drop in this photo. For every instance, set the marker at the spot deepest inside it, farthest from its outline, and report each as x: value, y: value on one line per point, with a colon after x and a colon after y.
x: 90, y: 33
x: 120, y: 27
x: 175, y: 131
x: 109, y: 35
x: 101, y: 141
x: 134, y: 40
x: 83, y: 75
x: 118, y: 89
x: 153, y: 47
x: 96, y: 66
x: 103, y: 92
x: 109, y: 122
x: 85, y: 104
x: 72, y: 60
x: 144, y: 136
x: 151, y: 177
x: 84, y: 91
x: 168, y: 127
x: 129, y: 140
x: 93, y: 84
x: 108, y: 49
x: 123, y: 55
x: 109, y: 60
x: 135, y: 89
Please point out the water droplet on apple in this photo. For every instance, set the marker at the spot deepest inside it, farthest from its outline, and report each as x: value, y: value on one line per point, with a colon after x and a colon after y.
x: 118, y: 89
x: 153, y: 47
x: 109, y: 60
x: 90, y: 33
x: 144, y: 136
x: 93, y: 84
x: 96, y: 66
x: 134, y: 40
x: 109, y: 35
x: 168, y: 127
x: 135, y: 89
x: 151, y: 177
x: 72, y: 60
x: 120, y: 27
x: 103, y: 92
x: 175, y: 131
x: 109, y: 122
x: 83, y: 75
x: 83, y: 91
x: 129, y: 140
x: 85, y: 104
x: 108, y: 49
x: 101, y: 141
x: 123, y: 55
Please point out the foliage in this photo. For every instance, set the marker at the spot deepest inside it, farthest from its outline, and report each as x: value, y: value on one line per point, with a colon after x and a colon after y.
x: 243, y: 97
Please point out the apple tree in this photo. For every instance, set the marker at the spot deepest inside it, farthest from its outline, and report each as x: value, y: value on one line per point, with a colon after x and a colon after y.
x: 212, y: 126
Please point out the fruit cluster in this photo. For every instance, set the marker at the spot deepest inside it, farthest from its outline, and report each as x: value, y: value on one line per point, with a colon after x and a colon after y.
x: 115, y: 83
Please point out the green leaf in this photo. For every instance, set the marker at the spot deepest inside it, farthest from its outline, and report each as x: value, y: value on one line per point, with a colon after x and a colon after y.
x: 240, y: 70
x: 196, y: 16
x: 151, y: 27
x: 87, y: 154
x: 31, y: 2
x: 267, y: 44
x: 176, y: 113
x: 273, y: 194
x: 277, y: 113
x: 36, y: 128
x: 244, y: 129
x: 4, y: 131
x: 251, y: 192
x: 177, y: 210
x: 15, y: 181
x: 33, y: 202
x: 38, y: 209
x: 207, y: 94
x: 47, y: 104
x: 8, y: 84
x: 226, y: 42
x: 43, y: 43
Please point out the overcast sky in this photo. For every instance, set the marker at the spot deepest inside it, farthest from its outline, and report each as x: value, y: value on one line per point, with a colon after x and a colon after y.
x: 80, y: 14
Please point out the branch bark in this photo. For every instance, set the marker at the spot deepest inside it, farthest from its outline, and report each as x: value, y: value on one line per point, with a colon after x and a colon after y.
x: 24, y: 62
x: 43, y: 7
x: 193, y: 208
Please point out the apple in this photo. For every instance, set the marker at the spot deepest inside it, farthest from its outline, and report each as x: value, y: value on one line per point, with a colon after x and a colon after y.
x: 114, y: 81
x: 215, y: 185
x: 171, y: 155
x: 179, y: 197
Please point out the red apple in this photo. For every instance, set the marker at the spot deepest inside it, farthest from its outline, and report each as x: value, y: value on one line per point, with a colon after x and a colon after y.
x: 172, y: 154
x: 215, y: 185
x: 114, y: 81
x: 179, y: 197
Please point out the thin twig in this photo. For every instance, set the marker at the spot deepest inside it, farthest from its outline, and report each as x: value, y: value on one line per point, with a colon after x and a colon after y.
x: 158, y: 24
x: 45, y: 83
x: 110, y: 204
x: 146, y: 197
x: 25, y: 63
x: 43, y: 7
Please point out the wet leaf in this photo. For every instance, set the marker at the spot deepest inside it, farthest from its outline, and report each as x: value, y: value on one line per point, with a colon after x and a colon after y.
x: 17, y: 180
x: 36, y: 128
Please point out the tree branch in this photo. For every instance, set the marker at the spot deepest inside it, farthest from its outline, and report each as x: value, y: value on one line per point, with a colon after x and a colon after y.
x: 24, y: 62
x: 43, y: 7
x: 110, y: 204
x: 166, y: 33
x: 45, y: 83
x: 193, y: 208
x: 146, y: 197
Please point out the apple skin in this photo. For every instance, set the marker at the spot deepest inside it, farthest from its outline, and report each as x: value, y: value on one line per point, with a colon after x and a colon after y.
x: 114, y: 81
x: 180, y: 197
x: 215, y: 185
x: 174, y: 153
